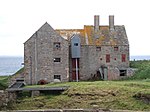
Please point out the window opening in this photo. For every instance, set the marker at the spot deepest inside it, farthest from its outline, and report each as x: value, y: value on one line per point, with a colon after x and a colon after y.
x: 75, y: 44
x: 98, y: 48
x: 57, y: 77
x: 123, y: 72
x: 116, y: 48
x: 57, y: 59
x: 123, y: 58
x: 107, y: 58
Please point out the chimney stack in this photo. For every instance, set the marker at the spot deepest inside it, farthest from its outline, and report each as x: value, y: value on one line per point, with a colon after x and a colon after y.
x: 96, y: 23
x: 111, y: 22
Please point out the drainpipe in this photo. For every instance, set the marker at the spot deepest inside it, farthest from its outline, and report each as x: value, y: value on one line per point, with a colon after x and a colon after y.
x: 30, y: 77
x: 77, y: 78
x: 35, y: 76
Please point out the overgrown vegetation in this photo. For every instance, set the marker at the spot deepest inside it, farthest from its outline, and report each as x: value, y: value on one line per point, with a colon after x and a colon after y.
x: 3, y: 82
x: 97, y: 94
x: 143, y: 70
x: 5, y: 79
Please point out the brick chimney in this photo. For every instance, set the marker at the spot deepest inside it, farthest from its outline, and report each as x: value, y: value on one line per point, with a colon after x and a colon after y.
x: 111, y: 22
x: 96, y: 23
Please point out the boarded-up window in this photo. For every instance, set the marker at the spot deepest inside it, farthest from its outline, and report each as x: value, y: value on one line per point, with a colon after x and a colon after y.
x: 74, y: 62
x: 57, y: 46
x: 123, y: 58
x: 116, y: 48
x: 107, y: 58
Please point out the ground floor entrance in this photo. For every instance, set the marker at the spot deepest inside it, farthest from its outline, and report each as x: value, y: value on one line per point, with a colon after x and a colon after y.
x: 75, y: 69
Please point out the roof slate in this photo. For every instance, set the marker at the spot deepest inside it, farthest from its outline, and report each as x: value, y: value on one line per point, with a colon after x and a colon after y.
x: 104, y: 36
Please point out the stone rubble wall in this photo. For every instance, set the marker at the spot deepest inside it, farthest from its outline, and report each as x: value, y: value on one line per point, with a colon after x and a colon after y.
x: 6, y: 97
x: 2, y: 98
x: 39, y: 55
x: 91, y: 60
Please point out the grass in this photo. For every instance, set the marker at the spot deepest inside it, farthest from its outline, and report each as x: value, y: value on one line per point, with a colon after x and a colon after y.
x: 4, y: 79
x: 19, y: 71
x: 3, y: 82
x: 97, y: 94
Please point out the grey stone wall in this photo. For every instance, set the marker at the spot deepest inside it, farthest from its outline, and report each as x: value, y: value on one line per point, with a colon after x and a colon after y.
x: 6, y: 97
x: 2, y: 98
x: 29, y: 49
x: 113, y: 73
x: 35, y: 93
x: 91, y: 60
x: 40, y: 54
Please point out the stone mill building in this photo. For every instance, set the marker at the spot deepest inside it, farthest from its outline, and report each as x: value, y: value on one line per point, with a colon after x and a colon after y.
x: 95, y: 52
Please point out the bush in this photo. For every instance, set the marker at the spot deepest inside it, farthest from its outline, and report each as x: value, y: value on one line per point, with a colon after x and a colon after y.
x: 143, y: 71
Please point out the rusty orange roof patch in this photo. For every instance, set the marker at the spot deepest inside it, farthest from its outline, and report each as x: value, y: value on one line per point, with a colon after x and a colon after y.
x: 103, y: 37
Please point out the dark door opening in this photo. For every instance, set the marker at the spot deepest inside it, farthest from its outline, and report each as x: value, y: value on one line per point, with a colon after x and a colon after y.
x: 75, y: 69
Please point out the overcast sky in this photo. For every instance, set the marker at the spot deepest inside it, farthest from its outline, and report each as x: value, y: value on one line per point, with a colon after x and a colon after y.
x: 19, y: 19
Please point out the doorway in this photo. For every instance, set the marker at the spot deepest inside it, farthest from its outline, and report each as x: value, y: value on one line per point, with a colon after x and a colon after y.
x: 103, y: 73
x: 75, y: 69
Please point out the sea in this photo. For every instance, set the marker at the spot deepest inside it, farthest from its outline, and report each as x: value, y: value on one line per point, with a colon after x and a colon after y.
x: 10, y: 65
x: 132, y: 58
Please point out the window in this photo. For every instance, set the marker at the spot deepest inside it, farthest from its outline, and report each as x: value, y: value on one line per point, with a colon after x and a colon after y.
x: 107, y: 58
x: 57, y: 77
x: 98, y: 48
x: 57, y: 46
x: 116, y: 48
x: 123, y: 72
x: 123, y: 58
x: 75, y: 44
x: 57, y: 59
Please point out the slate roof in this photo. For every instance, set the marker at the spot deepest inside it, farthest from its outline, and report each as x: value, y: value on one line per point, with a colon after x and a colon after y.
x: 103, y: 37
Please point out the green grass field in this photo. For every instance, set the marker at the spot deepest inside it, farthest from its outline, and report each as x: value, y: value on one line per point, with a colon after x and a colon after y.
x: 96, y: 94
